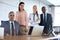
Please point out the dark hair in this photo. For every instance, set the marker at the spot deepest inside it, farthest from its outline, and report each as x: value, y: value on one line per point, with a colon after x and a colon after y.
x: 43, y: 7
x: 11, y: 12
x: 19, y: 5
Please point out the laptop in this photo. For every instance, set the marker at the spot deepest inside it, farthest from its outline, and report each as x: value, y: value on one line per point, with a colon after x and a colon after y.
x: 1, y: 33
x: 37, y: 30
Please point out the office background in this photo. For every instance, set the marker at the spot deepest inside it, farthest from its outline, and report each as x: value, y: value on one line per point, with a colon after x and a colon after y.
x: 12, y: 5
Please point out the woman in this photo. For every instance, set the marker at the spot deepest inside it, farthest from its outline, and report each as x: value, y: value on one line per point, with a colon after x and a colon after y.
x: 21, y: 17
x: 33, y: 19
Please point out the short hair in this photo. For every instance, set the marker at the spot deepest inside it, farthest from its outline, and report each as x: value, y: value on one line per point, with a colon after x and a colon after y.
x: 19, y: 5
x: 43, y: 7
x: 11, y: 12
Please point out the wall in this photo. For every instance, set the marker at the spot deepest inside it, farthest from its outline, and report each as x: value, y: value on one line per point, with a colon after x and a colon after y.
x: 6, y: 6
x: 29, y: 5
x: 12, y: 5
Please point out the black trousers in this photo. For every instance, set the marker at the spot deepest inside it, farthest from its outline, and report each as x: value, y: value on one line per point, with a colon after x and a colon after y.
x: 45, y: 30
x: 30, y: 30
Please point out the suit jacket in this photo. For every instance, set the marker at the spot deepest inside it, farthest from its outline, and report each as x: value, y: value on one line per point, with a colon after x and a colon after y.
x: 49, y: 20
x: 48, y: 24
x: 6, y: 25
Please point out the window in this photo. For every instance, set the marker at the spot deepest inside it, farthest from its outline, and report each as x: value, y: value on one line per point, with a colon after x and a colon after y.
x: 57, y: 17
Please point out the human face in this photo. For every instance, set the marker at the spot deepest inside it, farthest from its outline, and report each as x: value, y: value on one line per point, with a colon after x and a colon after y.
x: 43, y: 10
x: 11, y: 16
x: 22, y: 7
x: 34, y: 9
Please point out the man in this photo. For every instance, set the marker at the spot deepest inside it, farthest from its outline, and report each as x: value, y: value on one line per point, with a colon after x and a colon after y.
x: 46, y: 21
x: 11, y: 27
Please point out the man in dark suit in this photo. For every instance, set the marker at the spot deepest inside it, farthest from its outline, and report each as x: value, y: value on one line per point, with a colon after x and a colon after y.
x: 11, y: 27
x: 46, y: 21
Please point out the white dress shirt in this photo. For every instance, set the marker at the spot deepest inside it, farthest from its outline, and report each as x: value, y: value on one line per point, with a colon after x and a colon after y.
x: 11, y: 27
x: 31, y: 20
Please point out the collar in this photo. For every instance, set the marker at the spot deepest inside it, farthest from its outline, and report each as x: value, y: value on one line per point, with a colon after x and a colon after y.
x: 11, y: 22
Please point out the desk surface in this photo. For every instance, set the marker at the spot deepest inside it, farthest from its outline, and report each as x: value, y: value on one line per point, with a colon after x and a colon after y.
x: 22, y: 37
x: 26, y: 37
x: 45, y: 38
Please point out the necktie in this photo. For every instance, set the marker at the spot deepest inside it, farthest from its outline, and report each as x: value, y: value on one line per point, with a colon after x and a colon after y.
x: 12, y: 29
x: 45, y: 17
x: 34, y: 17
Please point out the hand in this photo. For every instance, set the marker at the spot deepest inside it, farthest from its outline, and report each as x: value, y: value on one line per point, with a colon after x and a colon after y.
x: 7, y: 35
x: 26, y: 30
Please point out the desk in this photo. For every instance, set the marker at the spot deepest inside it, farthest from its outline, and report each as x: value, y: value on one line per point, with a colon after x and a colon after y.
x: 45, y: 38
x: 22, y: 37
x: 25, y: 37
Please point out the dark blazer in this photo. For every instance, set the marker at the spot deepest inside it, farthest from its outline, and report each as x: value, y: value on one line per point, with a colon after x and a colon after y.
x: 48, y: 24
x: 6, y: 25
x: 49, y: 20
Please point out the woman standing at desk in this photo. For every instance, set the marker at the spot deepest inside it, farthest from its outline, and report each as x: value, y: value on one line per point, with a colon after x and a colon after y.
x: 21, y: 17
x: 33, y: 19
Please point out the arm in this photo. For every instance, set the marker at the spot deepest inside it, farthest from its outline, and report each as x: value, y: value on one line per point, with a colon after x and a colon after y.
x: 20, y: 31
x: 50, y: 19
x: 30, y: 19
x: 50, y: 22
x: 17, y: 17
x: 38, y: 19
x: 26, y: 19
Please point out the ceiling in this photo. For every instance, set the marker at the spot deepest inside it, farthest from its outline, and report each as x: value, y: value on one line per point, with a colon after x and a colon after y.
x: 51, y: 2
x: 10, y: 2
x: 55, y: 2
x: 15, y: 2
x: 46, y: 2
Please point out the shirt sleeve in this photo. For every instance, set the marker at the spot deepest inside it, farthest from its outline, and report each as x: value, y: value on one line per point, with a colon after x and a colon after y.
x: 29, y: 18
x: 26, y: 18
